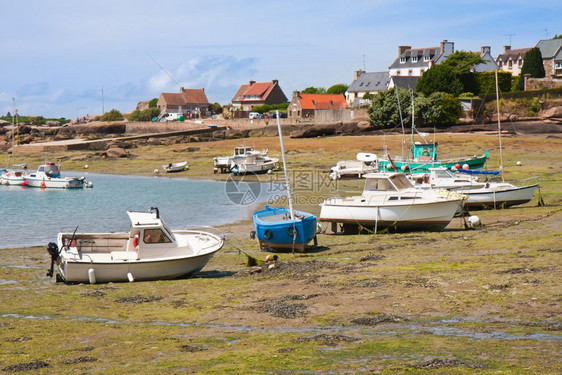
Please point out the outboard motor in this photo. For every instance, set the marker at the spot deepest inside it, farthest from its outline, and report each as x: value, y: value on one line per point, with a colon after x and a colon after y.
x: 53, y: 251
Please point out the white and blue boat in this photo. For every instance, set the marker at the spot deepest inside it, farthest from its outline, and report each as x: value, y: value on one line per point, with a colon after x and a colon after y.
x: 277, y: 229
x: 282, y: 228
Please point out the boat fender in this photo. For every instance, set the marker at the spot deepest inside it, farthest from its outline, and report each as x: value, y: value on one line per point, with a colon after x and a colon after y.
x: 425, y: 152
x: 268, y: 234
x: 291, y: 231
x: 136, y: 242
x: 91, y: 276
x: 253, y: 235
x: 130, y: 277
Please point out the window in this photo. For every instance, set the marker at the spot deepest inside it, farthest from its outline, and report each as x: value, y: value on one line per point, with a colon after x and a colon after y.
x: 558, y: 64
x: 314, y: 102
x: 410, y: 72
x: 155, y: 236
x: 520, y: 63
x: 509, y: 64
x: 414, y: 59
x: 426, y: 58
x: 402, y: 60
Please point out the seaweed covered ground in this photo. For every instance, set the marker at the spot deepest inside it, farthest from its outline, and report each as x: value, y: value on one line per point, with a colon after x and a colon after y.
x: 484, y: 301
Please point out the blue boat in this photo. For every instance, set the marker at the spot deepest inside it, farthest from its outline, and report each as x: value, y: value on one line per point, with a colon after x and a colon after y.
x: 275, y: 229
x: 282, y: 228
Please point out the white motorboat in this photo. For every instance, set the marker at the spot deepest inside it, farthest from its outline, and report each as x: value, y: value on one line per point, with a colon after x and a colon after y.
x: 365, y: 163
x: 48, y: 176
x: 225, y: 163
x: 254, y: 162
x: 13, y: 177
x: 149, y: 251
x: 480, y: 194
x: 390, y: 201
x: 175, y: 167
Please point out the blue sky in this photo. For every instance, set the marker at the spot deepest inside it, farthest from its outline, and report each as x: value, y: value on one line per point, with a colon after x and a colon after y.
x: 58, y: 56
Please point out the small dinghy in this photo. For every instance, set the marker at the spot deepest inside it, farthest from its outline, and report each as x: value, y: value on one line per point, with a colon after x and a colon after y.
x: 175, y: 167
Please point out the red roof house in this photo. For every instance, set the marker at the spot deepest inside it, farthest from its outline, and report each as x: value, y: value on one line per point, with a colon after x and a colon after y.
x: 305, y: 105
x: 254, y: 94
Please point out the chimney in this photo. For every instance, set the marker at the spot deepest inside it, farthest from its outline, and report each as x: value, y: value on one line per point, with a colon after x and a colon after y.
x: 181, y: 89
x: 485, y: 49
x: 506, y: 48
x: 447, y: 47
x: 252, y: 82
x: 357, y: 73
x: 275, y: 81
x: 203, y: 89
x: 402, y: 49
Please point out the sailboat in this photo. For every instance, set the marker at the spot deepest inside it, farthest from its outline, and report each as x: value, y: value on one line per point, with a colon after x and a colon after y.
x: 282, y: 228
x: 424, y: 156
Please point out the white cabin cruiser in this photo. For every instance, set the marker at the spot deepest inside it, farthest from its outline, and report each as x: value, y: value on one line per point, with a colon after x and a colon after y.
x: 149, y: 251
x: 390, y: 201
x: 254, y: 162
x: 365, y: 163
x: 12, y: 177
x: 48, y: 176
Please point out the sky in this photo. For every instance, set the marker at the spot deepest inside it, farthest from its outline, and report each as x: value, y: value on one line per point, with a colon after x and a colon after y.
x: 67, y: 58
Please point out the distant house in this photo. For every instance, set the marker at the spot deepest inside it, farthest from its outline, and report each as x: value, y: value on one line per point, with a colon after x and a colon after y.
x: 255, y: 94
x: 551, y: 51
x: 190, y: 102
x: 405, y: 82
x: 489, y: 63
x: 414, y: 61
x: 511, y: 60
x: 365, y: 83
x: 305, y: 105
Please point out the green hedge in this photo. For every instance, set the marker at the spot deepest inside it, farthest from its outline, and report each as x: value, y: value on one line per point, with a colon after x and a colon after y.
x: 484, y: 83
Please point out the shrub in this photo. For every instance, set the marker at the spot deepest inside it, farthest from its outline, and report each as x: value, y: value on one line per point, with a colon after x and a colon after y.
x: 113, y: 115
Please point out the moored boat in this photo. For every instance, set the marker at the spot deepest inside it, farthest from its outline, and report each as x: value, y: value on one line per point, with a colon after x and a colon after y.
x: 13, y: 177
x: 175, y: 167
x: 225, y: 163
x: 48, y: 176
x: 149, y: 251
x: 390, y: 201
x: 364, y: 163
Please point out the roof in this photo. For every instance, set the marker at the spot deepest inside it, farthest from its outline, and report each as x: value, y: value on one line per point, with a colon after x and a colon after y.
x: 255, y: 91
x: 420, y: 53
x: 514, y: 54
x: 406, y: 82
x: 144, y: 219
x: 549, y: 47
x: 367, y: 82
x: 195, y: 96
x: 322, y: 101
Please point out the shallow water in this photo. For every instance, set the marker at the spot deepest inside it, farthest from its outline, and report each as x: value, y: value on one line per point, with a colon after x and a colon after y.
x: 33, y: 216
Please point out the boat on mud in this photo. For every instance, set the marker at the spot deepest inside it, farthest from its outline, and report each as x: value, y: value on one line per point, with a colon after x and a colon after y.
x: 224, y: 164
x: 364, y: 163
x: 390, y: 202
x: 175, y: 167
x: 149, y: 251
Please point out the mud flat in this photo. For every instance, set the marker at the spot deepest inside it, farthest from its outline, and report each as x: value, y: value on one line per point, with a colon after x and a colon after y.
x: 457, y: 301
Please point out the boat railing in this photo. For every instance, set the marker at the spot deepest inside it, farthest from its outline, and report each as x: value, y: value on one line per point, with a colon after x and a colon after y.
x: 205, y: 229
x: 529, y: 181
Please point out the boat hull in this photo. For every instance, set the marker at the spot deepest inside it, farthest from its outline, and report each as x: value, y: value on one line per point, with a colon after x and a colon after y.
x: 410, y: 216
x: 275, y: 230
x: 56, y: 183
x: 499, y: 198
x: 423, y: 167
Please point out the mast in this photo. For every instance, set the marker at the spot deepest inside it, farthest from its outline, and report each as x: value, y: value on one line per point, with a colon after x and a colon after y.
x: 499, y: 124
x: 413, y: 126
x: 401, y: 123
x: 287, y: 182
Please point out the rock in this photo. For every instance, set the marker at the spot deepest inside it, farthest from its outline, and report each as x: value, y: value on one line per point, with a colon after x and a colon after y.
x: 116, y: 152
x: 551, y: 112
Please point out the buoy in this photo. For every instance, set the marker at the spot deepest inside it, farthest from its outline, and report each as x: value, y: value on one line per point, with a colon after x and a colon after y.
x: 473, y: 222
x: 130, y: 277
x: 92, y: 276
x: 519, y: 163
x: 453, y: 168
x: 465, y: 166
x: 86, y: 166
x: 42, y: 184
x: 156, y: 171
x: 458, y: 166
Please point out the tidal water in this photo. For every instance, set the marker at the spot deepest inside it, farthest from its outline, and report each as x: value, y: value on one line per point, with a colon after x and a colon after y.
x: 34, y: 216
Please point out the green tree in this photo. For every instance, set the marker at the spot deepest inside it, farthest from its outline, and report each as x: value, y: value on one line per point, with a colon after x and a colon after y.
x: 440, y: 78
x: 462, y: 62
x: 532, y: 64
x: 314, y: 90
x: 144, y: 115
x: 384, y: 108
x: 152, y: 103
x: 557, y: 36
x: 339, y: 88
x: 215, y: 108
x: 113, y: 115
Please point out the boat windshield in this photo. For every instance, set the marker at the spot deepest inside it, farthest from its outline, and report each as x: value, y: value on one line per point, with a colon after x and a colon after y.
x: 443, y: 173
x: 378, y: 184
x: 401, y: 182
x: 156, y: 235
